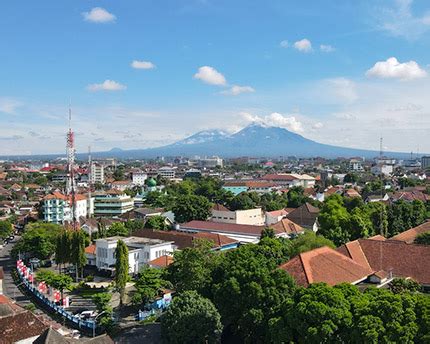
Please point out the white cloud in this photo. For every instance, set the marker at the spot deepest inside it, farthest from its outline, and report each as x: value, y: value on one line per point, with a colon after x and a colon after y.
x: 326, y: 48
x: 284, y: 44
x: 107, y: 85
x: 142, y: 64
x: 275, y: 119
x: 99, y: 15
x: 342, y: 88
x: 400, y: 21
x: 303, y: 45
x: 236, y: 90
x: 393, y: 69
x: 9, y: 105
x: 317, y: 125
x: 211, y: 76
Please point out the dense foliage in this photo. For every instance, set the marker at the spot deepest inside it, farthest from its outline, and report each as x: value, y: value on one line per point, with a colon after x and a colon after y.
x: 423, y: 239
x: 6, y: 229
x: 121, y: 268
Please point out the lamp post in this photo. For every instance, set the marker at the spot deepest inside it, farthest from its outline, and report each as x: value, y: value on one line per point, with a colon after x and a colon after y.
x: 95, y: 323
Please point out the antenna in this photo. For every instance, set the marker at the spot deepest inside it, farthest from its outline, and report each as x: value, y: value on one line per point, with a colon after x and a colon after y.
x: 90, y: 181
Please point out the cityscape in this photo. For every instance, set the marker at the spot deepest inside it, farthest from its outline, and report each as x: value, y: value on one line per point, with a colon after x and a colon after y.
x: 168, y: 203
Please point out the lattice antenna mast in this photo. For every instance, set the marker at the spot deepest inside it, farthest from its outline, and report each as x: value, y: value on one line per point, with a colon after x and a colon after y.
x: 70, y: 185
x: 90, y: 180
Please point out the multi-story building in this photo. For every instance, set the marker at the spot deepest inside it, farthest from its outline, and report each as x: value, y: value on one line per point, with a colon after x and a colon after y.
x: 112, y: 203
x: 254, y: 217
x: 167, y: 172
x: 140, y: 252
x: 382, y: 169
x: 139, y: 178
x: 425, y: 162
x: 356, y: 165
x: 97, y: 173
x: 57, y: 208
x: 207, y: 162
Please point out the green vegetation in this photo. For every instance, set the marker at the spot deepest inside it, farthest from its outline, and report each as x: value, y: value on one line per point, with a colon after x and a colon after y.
x: 6, y: 229
x: 121, y: 268
x: 191, y: 319
x: 148, y: 285
x: 157, y: 222
x: 57, y: 281
x: 423, y: 239
x: 191, y: 207
x: 308, y: 241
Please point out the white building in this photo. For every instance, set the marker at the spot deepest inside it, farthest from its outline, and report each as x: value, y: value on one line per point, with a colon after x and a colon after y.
x: 112, y: 203
x: 356, y: 165
x: 207, y: 162
x: 140, y: 252
x: 167, y: 172
x: 139, y: 178
x: 253, y: 217
x: 97, y: 173
x: 57, y: 208
x: 382, y: 169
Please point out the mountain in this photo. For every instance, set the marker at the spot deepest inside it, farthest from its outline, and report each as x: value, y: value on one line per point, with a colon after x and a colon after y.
x: 254, y: 140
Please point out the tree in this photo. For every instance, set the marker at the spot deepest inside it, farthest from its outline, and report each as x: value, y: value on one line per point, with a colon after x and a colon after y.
x: 77, y: 251
x: 191, y: 319
x: 102, y: 302
x: 148, y: 285
x: 191, y: 207
x: 38, y: 240
x: 134, y: 225
x: 308, y: 241
x: 63, y: 248
x: 6, y: 229
x: 422, y: 311
x: 57, y: 281
x: 242, y: 201
x: 318, y: 314
x: 423, y: 239
x: 192, y: 267
x: 117, y: 229
x: 121, y: 268
x: 157, y: 222
x: 403, y: 285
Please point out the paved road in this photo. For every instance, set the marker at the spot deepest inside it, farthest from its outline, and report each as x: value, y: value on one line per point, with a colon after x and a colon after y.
x: 8, y: 264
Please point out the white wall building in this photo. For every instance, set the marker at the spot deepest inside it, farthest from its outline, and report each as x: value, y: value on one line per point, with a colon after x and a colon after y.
x: 382, y: 169
x: 167, y: 172
x: 140, y: 252
x: 57, y: 208
x: 97, y: 173
x: 254, y: 217
x: 139, y: 178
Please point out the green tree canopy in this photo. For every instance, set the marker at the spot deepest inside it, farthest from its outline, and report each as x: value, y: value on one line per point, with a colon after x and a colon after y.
x: 191, y: 319
x: 423, y: 239
x: 121, y: 268
x: 149, y: 283
x: 308, y: 241
x: 6, y: 229
x: 191, y: 207
x: 156, y: 222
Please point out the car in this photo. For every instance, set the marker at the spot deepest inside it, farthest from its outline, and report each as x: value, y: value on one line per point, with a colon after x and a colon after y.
x: 87, y: 314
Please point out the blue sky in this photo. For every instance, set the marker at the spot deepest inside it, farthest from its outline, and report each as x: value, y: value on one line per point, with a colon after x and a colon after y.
x: 339, y: 72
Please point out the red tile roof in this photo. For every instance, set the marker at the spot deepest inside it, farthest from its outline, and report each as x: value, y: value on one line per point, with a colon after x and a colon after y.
x: 410, y: 235
x: 220, y: 207
x: 162, y: 261
x: 279, y: 177
x: 326, y: 265
x: 287, y: 226
x: 90, y: 249
x: 222, y: 227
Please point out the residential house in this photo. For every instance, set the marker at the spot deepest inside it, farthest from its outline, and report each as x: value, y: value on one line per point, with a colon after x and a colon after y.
x: 289, y: 227
x: 410, y: 235
x: 305, y: 216
x: 57, y: 207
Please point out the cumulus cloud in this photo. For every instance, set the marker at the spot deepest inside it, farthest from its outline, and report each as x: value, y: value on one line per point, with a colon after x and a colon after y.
x: 236, y: 90
x: 393, y: 69
x: 303, y: 45
x: 107, y: 85
x: 275, y: 119
x: 317, y: 125
x: 326, y: 48
x: 142, y: 65
x: 211, y: 76
x: 99, y: 15
x: 9, y: 105
x: 284, y: 44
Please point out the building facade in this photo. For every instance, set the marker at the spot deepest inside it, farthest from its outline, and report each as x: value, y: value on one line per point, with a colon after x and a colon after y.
x: 57, y: 208
x: 111, y: 204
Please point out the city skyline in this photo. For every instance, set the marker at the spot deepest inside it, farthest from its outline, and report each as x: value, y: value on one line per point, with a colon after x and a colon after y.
x: 144, y: 74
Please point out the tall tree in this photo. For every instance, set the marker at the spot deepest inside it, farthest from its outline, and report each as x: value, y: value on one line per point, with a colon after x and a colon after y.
x: 121, y: 268
x: 191, y: 319
x: 78, y: 257
x: 191, y: 207
x: 149, y: 283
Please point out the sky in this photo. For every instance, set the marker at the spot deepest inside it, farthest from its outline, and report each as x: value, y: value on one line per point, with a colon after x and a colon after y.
x: 144, y: 73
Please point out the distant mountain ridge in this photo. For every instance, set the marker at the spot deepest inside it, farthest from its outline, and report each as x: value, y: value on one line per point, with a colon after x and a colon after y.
x: 255, y: 140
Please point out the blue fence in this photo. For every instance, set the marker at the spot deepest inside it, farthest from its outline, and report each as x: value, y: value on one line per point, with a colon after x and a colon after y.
x: 78, y: 323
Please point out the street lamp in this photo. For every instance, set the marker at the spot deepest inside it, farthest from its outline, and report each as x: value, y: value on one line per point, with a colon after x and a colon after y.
x: 95, y: 323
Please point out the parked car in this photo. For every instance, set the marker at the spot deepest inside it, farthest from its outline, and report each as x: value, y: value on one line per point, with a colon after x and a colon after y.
x: 87, y: 315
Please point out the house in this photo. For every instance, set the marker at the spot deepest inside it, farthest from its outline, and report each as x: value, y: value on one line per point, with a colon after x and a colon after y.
x: 409, y: 196
x: 140, y: 252
x: 377, y: 198
x: 351, y: 193
x: 326, y: 265
x: 356, y: 165
x: 90, y: 253
x: 410, y: 235
x: 259, y: 186
x: 288, y: 227
x: 291, y: 179
x: 305, y: 216
x: 252, y: 217
x: 275, y: 216
x: 161, y: 262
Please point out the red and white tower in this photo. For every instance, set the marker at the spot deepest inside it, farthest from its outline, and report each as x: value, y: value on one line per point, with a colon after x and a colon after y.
x: 70, y: 183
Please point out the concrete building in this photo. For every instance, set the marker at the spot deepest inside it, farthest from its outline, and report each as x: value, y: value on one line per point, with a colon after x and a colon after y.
x: 382, y: 169
x: 167, y: 172
x: 139, y: 178
x: 356, y: 165
x: 57, y: 208
x: 207, y: 162
x: 140, y: 252
x: 111, y: 203
x: 253, y: 217
x: 290, y: 179
x: 425, y: 162
x: 97, y: 173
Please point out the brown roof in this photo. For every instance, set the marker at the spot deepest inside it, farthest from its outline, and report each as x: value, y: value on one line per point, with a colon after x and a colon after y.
x: 222, y: 227
x: 162, y: 261
x: 220, y: 207
x: 279, y: 177
x: 305, y: 215
x: 90, y: 249
x: 287, y: 226
x: 410, y: 235
x: 352, y: 193
x: 326, y: 265
x: 409, y: 196
x: 397, y: 257
x: 282, y: 212
x: 20, y: 326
